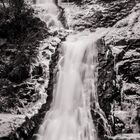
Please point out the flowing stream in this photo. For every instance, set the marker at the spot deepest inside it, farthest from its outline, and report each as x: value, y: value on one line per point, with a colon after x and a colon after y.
x: 69, y: 117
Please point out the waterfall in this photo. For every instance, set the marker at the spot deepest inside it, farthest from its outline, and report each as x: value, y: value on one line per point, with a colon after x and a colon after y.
x: 49, y: 6
x: 69, y: 117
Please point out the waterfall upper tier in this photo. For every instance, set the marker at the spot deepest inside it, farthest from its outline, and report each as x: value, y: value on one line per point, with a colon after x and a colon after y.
x: 50, y: 13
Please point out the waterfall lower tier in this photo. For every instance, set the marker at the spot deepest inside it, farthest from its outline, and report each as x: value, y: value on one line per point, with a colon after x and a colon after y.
x: 69, y: 117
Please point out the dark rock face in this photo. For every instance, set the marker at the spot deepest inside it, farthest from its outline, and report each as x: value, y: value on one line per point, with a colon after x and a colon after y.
x: 107, y: 89
x: 37, y: 71
x: 119, y: 78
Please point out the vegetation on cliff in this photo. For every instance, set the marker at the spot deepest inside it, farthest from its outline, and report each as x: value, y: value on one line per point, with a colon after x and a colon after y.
x: 20, y: 33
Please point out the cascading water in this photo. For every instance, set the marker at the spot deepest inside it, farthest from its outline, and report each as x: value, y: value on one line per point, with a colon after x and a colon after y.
x: 51, y: 15
x: 69, y: 117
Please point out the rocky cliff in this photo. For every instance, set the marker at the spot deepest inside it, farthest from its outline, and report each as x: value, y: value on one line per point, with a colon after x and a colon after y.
x: 118, y: 57
x: 118, y: 80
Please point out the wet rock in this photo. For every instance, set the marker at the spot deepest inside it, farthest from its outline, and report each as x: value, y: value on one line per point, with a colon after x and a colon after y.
x: 46, y: 55
x: 52, y: 49
x: 41, y: 80
x: 121, y: 58
x: 107, y: 90
x: 101, y: 125
x: 37, y: 71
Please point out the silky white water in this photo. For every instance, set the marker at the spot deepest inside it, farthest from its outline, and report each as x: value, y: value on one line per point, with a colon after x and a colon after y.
x: 69, y: 117
x: 51, y: 15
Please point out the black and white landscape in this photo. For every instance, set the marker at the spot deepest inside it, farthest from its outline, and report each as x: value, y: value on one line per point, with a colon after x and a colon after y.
x: 69, y: 69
